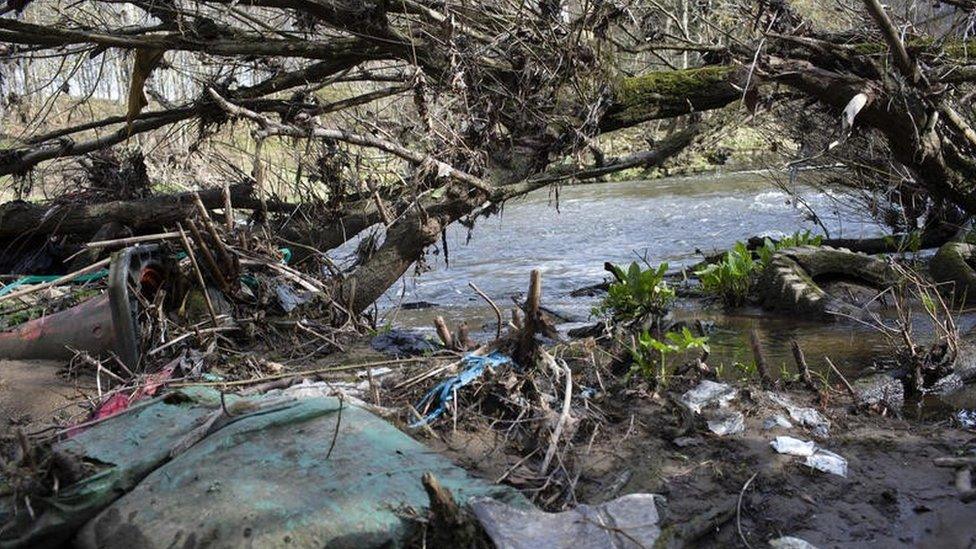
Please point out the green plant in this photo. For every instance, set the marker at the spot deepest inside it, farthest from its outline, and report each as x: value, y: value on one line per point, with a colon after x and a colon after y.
x: 750, y: 370
x: 730, y: 278
x: 636, y: 293
x: 650, y: 354
x: 805, y: 238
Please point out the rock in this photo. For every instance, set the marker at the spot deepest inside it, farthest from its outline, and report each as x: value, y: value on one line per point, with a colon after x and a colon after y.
x: 417, y: 305
x: 789, y: 282
x: 951, y: 265
x: 593, y: 330
x: 594, y: 290
x: 404, y: 343
x: 880, y: 389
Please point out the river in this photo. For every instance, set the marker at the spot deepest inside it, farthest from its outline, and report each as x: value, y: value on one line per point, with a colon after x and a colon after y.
x: 663, y: 220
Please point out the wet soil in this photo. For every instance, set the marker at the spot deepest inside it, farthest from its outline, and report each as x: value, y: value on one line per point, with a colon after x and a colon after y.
x: 893, y: 495
x: 34, y: 394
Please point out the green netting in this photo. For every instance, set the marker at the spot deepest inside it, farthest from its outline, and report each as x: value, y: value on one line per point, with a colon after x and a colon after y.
x: 266, y: 479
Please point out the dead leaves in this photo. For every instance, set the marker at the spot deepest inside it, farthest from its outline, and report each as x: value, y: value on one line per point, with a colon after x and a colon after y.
x: 146, y: 60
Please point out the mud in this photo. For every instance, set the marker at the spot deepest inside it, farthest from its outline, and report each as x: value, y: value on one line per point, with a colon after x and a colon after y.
x: 34, y: 394
x: 893, y: 495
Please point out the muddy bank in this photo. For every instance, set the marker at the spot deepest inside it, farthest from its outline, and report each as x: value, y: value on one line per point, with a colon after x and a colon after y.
x: 893, y: 496
x: 38, y: 393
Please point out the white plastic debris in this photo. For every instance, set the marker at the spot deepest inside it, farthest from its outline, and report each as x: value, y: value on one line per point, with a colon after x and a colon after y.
x: 630, y: 521
x: 374, y: 372
x: 967, y: 419
x: 777, y: 421
x: 789, y: 542
x: 808, y: 417
x: 706, y: 394
x: 794, y: 446
x: 727, y: 424
x: 828, y: 462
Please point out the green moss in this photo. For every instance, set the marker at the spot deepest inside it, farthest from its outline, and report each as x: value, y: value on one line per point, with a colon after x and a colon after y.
x: 668, y: 93
x: 955, y: 49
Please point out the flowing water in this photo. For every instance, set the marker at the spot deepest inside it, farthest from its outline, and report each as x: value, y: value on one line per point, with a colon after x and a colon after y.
x: 570, y: 236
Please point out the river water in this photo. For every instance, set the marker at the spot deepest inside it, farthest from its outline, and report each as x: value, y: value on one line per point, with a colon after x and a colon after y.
x: 663, y: 220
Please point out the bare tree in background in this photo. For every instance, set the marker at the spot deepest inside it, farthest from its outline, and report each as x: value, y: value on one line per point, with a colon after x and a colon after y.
x: 330, y: 117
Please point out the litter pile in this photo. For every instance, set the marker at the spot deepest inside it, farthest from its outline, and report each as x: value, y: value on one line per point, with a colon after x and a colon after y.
x: 200, y: 303
x: 192, y: 338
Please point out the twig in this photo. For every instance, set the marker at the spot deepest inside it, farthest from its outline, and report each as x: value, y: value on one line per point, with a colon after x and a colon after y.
x: 498, y: 312
x: 335, y: 434
x: 178, y: 339
x: 196, y: 269
x: 208, y: 257
x: 801, y: 364
x: 208, y: 224
x: 738, y: 509
x: 761, y: 364
x: 563, y: 417
x: 228, y: 209
x: 334, y: 368
x: 423, y: 424
x: 516, y: 466
x: 61, y: 280
x: 133, y: 240
x: 850, y: 389
x: 955, y: 462
x: 443, y: 332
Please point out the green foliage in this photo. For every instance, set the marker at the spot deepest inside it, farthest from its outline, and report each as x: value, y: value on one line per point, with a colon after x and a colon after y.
x: 637, y: 293
x: 731, y: 278
x: 651, y: 355
x: 905, y: 244
x: 798, y: 238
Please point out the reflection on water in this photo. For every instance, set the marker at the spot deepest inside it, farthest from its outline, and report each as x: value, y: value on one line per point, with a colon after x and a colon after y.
x: 662, y: 220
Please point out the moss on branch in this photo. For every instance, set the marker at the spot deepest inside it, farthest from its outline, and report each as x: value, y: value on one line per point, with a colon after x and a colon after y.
x: 666, y: 94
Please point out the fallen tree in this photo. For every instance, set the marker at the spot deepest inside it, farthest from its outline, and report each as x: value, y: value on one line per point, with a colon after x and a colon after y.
x: 485, y: 115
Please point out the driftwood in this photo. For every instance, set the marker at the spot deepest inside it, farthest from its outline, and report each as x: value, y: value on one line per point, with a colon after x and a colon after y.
x: 801, y: 365
x: 762, y: 365
x: 449, y: 525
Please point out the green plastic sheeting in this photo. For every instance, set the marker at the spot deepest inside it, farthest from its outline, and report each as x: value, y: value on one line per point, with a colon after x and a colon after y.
x: 265, y: 479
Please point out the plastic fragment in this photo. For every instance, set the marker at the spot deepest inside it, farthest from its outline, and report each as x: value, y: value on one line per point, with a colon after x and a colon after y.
x: 706, y: 394
x: 777, y: 421
x: 967, y: 419
x: 828, y: 462
x: 793, y: 446
x: 442, y: 393
x: 727, y: 424
x: 790, y: 542
x: 808, y: 417
x: 630, y: 521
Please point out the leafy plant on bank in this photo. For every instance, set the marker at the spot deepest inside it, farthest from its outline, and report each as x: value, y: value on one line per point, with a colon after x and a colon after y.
x: 732, y: 278
x: 805, y: 238
x: 636, y: 294
x: 651, y: 355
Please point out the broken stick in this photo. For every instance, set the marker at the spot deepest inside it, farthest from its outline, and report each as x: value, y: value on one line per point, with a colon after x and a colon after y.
x: 199, y: 273
x: 762, y: 366
x: 444, y: 332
